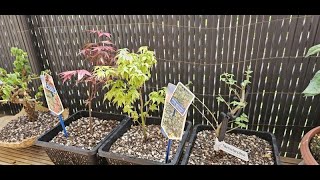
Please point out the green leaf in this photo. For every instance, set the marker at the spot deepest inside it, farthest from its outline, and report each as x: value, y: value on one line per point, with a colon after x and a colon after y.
x: 153, y: 107
x: 314, y: 86
x: 313, y: 50
x: 220, y: 99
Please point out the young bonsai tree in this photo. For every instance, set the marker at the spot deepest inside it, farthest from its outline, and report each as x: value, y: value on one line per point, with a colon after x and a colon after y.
x: 238, y: 95
x: 14, y: 87
x: 125, y: 84
x: 99, y: 53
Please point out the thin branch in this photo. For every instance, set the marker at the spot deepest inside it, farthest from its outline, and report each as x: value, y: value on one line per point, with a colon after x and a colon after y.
x: 34, y: 78
x: 225, y: 102
x: 236, y: 93
x: 208, y: 110
x: 231, y: 121
x: 232, y: 129
x: 204, y: 117
x: 237, y: 86
x: 17, y: 101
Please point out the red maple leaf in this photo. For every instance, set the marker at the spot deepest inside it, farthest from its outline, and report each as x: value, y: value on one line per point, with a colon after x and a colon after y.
x: 67, y: 75
x: 104, y: 34
x: 107, y: 42
x: 82, y: 73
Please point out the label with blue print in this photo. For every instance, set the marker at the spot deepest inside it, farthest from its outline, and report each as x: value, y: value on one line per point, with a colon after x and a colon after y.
x: 51, y: 94
x: 181, y: 98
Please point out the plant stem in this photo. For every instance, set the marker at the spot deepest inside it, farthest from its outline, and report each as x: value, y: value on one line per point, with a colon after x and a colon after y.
x: 236, y: 93
x: 208, y: 110
x: 225, y: 102
x: 231, y: 121
x: 243, y: 95
x: 204, y: 117
x: 232, y: 129
x: 90, y: 108
x: 34, y: 78
x: 143, y: 123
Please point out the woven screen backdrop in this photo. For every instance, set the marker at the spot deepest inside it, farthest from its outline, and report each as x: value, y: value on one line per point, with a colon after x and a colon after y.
x: 196, y: 48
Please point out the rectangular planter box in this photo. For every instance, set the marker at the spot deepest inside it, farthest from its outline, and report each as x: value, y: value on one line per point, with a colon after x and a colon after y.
x: 261, y: 134
x: 67, y: 155
x: 118, y: 159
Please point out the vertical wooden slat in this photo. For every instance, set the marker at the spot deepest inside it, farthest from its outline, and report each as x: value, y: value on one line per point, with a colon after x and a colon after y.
x: 258, y: 67
x: 298, y: 72
x: 212, y: 76
x: 283, y: 85
x: 272, y: 77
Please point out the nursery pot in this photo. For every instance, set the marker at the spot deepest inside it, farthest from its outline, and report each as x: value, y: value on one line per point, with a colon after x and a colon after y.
x: 308, y: 159
x: 118, y: 159
x: 66, y: 155
x: 261, y: 134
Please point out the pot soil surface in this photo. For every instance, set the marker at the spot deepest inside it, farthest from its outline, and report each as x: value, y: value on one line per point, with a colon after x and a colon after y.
x: 259, y: 150
x: 21, y: 128
x: 132, y: 144
x: 79, y: 134
x: 315, y: 147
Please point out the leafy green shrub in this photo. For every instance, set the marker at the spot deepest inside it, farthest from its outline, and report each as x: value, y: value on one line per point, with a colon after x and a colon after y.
x: 235, y: 106
x: 126, y: 82
x: 14, y: 86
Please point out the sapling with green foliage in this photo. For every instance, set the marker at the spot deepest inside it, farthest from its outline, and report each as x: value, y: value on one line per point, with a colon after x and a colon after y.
x: 238, y: 95
x: 14, y: 87
x: 126, y: 82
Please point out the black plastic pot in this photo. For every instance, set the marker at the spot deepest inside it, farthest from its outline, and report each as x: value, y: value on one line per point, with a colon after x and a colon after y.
x: 261, y: 134
x: 118, y: 159
x: 71, y: 155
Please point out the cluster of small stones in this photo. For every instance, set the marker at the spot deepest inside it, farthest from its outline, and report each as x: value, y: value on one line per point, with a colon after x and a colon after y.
x: 315, y: 147
x: 132, y: 144
x: 259, y: 150
x: 79, y: 134
x: 21, y: 128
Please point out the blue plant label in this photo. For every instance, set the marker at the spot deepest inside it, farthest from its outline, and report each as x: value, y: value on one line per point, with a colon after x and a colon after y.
x: 181, y: 98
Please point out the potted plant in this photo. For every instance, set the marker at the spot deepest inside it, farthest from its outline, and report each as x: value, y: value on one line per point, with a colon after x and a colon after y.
x: 139, y: 141
x: 86, y: 130
x: 21, y: 130
x: 261, y: 147
x: 310, y: 143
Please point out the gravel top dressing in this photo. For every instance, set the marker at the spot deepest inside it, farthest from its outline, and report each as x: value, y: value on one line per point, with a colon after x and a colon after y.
x: 259, y: 150
x: 21, y: 128
x: 131, y: 144
x: 79, y: 133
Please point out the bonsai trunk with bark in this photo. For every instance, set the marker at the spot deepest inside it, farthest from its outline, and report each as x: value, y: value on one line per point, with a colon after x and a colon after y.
x: 30, y: 108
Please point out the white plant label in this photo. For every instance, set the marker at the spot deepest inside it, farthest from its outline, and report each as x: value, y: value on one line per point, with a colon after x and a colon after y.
x: 231, y: 150
x: 172, y: 124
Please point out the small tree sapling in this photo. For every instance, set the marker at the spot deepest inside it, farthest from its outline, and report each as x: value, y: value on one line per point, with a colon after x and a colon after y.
x: 235, y: 106
x: 14, y: 87
x: 126, y: 87
x: 99, y: 53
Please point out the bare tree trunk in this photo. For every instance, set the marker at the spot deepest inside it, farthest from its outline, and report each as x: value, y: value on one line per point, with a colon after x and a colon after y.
x: 30, y: 108
x: 143, y: 119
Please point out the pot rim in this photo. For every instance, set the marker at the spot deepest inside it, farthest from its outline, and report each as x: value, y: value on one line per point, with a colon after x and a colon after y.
x: 304, y: 147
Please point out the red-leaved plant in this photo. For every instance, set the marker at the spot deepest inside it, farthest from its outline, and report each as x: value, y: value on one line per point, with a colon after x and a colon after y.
x: 100, y: 53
